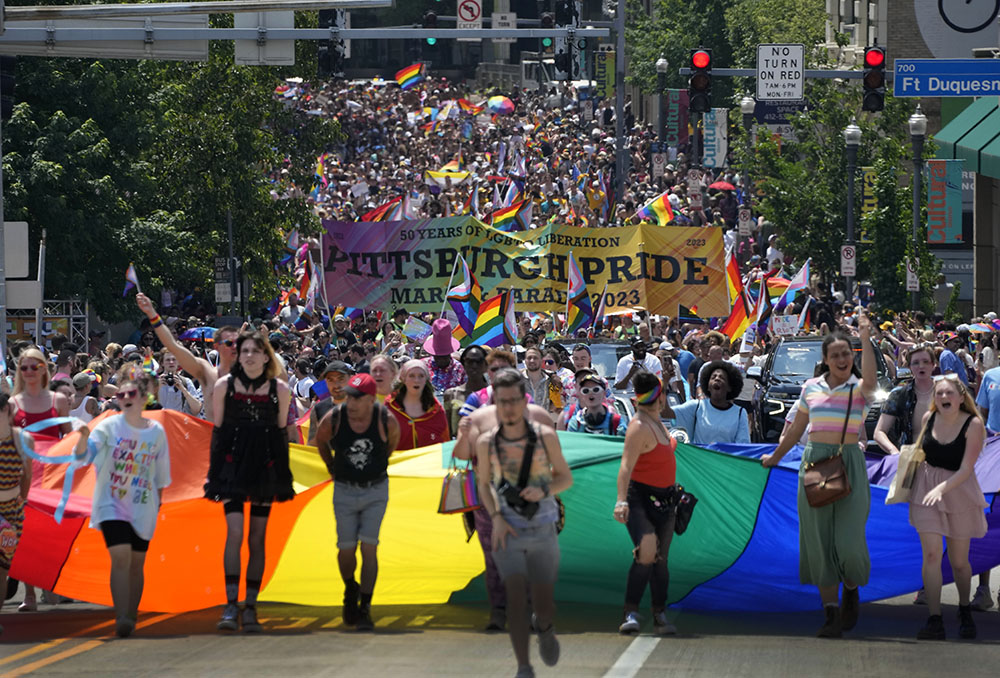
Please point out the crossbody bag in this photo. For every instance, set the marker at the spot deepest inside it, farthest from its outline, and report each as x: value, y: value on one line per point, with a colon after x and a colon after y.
x: 826, y: 481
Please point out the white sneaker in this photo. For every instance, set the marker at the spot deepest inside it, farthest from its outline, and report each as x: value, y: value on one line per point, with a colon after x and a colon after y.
x: 662, y: 626
x: 631, y: 623
x: 982, y: 601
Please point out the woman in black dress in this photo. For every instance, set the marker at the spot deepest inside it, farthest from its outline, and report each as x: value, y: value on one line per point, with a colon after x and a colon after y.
x: 249, y: 464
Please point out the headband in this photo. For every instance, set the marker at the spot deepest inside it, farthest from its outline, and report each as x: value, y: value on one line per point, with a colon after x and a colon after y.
x: 650, y: 396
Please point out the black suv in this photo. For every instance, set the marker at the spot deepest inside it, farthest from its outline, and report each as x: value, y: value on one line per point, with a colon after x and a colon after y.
x: 780, y: 378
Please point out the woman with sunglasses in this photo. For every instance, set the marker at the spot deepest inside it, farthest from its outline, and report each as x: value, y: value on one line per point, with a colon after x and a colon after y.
x: 131, y: 457
x: 248, y: 464
x: 946, y: 500
x: 33, y: 402
x: 832, y: 546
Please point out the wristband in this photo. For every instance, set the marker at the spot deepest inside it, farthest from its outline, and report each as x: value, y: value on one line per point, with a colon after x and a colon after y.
x: 156, y: 322
x: 621, y: 504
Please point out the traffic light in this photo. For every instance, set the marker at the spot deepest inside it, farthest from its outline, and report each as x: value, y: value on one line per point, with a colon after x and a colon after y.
x: 327, y: 56
x: 564, y: 63
x: 700, y: 82
x: 873, y: 96
x: 548, y: 19
x: 430, y: 21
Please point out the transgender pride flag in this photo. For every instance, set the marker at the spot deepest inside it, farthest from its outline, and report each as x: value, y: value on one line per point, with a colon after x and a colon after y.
x: 579, y: 311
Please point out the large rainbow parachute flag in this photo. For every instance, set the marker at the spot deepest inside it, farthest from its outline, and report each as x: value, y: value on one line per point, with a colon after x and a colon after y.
x: 740, y: 551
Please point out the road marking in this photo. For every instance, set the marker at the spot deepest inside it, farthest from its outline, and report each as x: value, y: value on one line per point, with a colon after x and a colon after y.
x: 72, y: 651
x: 65, y: 654
x: 333, y: 623
x: 632, y: 659
x: 297, y: 623
x: 385, y: 621
x: 48, y: 645
x: 421, y: 620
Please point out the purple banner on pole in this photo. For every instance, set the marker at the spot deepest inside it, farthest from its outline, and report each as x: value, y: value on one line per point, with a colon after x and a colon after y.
x: 676, y: 102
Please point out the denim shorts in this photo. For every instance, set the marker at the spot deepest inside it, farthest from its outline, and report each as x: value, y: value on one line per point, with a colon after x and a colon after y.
x: 533, y: 553
x: 358, y: 512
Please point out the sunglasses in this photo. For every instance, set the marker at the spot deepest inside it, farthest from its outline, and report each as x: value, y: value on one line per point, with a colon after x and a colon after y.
x: 228, y: 342
x: 587, y: 390
x: 549, y: 362
x: 475, y: 361
x: 951, y: 376
x: 126, y: 395
x: 30, y: 368
x: 497, y: 368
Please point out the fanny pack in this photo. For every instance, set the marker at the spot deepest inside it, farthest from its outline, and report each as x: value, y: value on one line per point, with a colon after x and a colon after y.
x: 511, y: 493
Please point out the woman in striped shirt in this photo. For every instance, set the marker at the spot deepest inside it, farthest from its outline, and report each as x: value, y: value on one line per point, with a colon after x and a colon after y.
x: 832, y: 546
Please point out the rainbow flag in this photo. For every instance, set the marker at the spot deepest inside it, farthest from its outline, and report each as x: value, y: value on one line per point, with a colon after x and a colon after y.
x: 657, y: 209
x: 147, y: 364
x: 470, y: 108
x: 131, y: 280
x: 455, y: 165
x: 579, y: 311
x: 734, y: 283
x: 291, y: 247
x: 506, y: 218
x: 739, y: 319
x: 349, y: 312
x: 495, y: 324
x: 466, y: 299
x: 471, y: 205
x: 410, y: 76
x: 381, y: 212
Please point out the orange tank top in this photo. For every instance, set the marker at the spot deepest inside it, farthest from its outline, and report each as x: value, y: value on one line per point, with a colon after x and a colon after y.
x: 658, y: 467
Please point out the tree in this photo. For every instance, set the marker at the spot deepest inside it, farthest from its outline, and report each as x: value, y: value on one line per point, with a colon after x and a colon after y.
x: 802, y: 187
x: 139, y: 162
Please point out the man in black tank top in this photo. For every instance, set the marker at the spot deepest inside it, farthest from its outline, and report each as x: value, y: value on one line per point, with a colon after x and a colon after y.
x: 355, y: 440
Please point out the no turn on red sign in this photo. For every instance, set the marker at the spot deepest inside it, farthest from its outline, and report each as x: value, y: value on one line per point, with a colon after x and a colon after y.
x: 912, y: 277
x: 848, y: 261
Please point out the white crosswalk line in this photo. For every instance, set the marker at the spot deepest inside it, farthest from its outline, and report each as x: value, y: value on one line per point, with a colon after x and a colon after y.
x: 632, y: 659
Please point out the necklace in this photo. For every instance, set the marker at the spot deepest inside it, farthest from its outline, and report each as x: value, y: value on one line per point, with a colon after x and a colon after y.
x: 510, y: 440
x: 922, y: 393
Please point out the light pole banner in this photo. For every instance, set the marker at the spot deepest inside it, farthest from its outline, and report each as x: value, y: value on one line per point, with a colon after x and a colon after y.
x: 407, y: 264
x: 944, y: 202
x: 604, y: 74
x: 716, y: 137
x: 676, y: 101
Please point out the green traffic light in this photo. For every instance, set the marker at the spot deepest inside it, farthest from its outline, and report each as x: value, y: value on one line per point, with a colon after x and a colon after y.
x: 432, y: 41
x: 546, y: 42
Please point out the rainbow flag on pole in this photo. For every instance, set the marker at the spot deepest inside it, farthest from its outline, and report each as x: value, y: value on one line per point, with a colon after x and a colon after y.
x: 579, y: 311
x: 506, y: 218
x: 466, y: 299
x: 495, y: 324
x: 658, y: 208
x: 410, y: 76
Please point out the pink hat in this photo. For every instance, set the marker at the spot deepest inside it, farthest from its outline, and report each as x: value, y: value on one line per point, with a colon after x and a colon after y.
x: 441, y: 342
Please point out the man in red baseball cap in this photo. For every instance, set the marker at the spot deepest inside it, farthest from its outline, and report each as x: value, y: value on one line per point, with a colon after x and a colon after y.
x: 355, y: 440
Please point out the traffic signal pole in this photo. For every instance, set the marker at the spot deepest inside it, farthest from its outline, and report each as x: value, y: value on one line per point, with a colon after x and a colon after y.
x: 620, y: 152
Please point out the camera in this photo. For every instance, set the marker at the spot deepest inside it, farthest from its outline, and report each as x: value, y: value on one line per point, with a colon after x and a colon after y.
x: 512, y: 495
x: 169, y: 379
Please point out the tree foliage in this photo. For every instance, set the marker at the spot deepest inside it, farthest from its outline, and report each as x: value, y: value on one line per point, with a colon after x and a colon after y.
x: 124, y: 161
x: 802, y: 189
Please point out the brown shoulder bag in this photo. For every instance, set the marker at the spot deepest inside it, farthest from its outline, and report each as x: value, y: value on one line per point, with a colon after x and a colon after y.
x: 825, y: 481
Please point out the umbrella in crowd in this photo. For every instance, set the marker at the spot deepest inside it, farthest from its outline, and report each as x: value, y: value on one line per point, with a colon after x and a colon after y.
x: 500, y: 105
x: 722, y: 186
x: 199, y: 333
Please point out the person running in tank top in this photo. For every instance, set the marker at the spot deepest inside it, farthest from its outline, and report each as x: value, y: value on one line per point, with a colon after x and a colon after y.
x: 524, y: 514
x: 832, y: 545
x: 646, y: 480
x: 355, y: 440
x: 15, y: 481
x: 946, y: 500
x: 248, y: 464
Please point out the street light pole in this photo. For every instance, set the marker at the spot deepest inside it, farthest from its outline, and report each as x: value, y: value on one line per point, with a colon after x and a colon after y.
x: 747, y: 106
x: 918, y: 132
x: 852, y: 138
x: 661, y: 84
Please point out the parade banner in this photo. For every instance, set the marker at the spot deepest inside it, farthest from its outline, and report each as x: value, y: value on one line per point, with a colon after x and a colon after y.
x: 677, y: 117
x: 407, y: 264
x: 944, y: 202
x: 716, y: 146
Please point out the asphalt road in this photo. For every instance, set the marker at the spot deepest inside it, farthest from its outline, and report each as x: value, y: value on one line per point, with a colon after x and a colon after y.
x: 302, y: 642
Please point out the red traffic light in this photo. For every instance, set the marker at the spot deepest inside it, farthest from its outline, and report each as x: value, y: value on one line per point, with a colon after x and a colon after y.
x: 874, y: 57
x: 701, y: 59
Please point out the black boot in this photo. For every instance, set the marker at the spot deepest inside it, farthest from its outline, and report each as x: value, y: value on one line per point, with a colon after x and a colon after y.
x: 933, y: 629
x: 350, y: 611
x: 849, y: 604
x: 832, y: 627
x: 966, y: 627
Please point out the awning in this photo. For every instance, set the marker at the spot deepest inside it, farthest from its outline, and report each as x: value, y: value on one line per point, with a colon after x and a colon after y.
x: 974, y: 136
